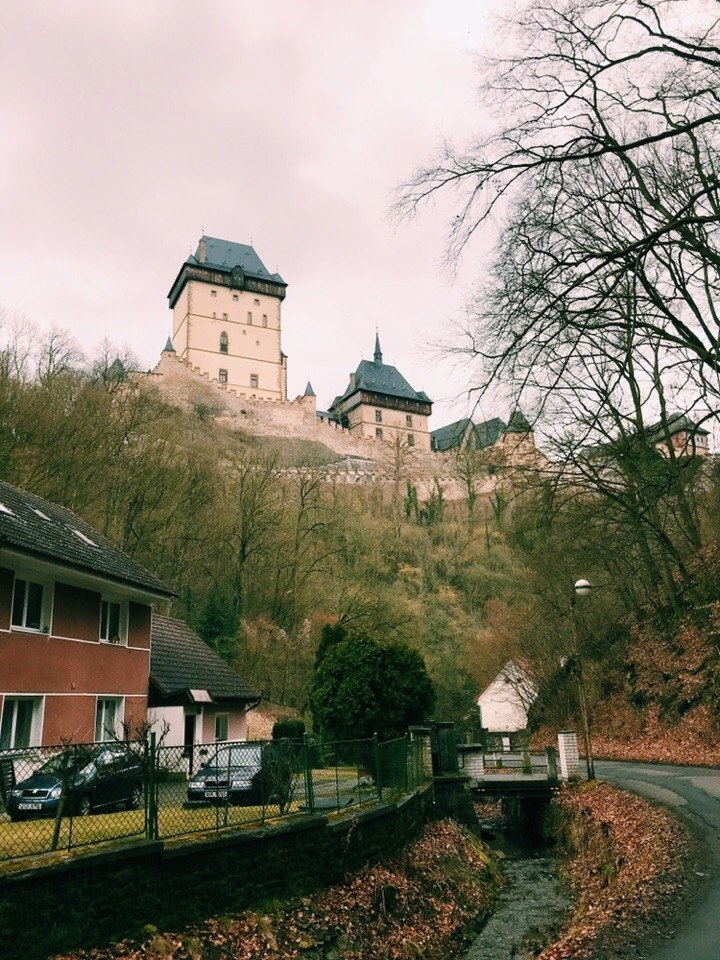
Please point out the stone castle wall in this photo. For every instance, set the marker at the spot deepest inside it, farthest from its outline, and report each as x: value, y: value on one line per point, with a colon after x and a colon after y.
x: 357, y: 460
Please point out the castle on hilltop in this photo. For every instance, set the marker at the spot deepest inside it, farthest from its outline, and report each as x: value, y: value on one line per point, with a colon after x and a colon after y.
x: 227, y: 328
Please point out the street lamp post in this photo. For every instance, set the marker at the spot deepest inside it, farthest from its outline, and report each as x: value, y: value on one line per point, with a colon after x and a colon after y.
x: 581, y: 589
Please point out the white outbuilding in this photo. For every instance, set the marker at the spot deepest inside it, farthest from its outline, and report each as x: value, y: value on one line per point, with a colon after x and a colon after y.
x: 505, y: 702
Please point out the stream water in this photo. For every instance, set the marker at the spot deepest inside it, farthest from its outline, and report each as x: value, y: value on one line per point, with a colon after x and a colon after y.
x: 530, y: 908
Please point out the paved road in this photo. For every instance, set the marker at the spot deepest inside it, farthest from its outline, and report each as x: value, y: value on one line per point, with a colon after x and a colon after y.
x: 693, y: 793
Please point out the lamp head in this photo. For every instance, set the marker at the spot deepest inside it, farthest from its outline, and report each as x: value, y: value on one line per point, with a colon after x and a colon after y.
x: 582, y: 588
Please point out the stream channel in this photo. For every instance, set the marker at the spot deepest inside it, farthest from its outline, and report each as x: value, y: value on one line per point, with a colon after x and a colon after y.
x: 531, y: 905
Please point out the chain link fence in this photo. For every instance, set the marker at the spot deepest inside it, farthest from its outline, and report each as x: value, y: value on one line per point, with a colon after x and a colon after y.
x: 79, y: 794
x: 56, y: 798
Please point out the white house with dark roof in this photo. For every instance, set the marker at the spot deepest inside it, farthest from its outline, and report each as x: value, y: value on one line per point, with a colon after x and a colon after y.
x: 227, y: 321
x: 75, y: 614
x: 193, y: 690
x: 380, y: 403
x: 505, y: 701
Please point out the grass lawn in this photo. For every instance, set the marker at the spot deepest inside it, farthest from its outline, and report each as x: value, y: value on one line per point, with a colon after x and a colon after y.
x: 32, y: 838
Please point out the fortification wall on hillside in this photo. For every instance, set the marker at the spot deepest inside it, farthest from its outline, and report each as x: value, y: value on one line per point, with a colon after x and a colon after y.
x: 364, y: 461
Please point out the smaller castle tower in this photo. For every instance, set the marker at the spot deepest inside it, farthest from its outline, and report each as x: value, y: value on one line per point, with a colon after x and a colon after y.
x: 379, y: 402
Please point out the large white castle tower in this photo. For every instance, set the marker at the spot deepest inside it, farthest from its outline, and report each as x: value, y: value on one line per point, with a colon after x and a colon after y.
x: 227, y: 318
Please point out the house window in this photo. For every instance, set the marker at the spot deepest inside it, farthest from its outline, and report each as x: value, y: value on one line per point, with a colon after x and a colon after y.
x: 221, y: 726
x: 378, y: 433
x: 411, y: 439
x: 249, y: 318
x: 108, y: 717
x: 378, y: 416
x: 113, y: 621
x: 264, y: 320
x: 236, y: 296
x: 20, y: 722
x: 223, y: 342
x: 29, y: 599
x: 408, y: 420
x: 254, y: 380
x: 213, y: 293
x: 222, y: 376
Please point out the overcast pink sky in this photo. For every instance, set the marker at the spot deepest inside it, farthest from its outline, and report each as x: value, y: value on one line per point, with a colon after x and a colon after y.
x: 129, y: 127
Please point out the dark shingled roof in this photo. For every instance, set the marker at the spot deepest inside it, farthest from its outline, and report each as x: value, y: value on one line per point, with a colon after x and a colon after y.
x: 518, y: 423
x: 449, y: 437
x: 44, y: 529
x: 676, y: 423
x: 180, y: 660
x: 224, y: 255
x: 377, y: 377
x: 446, y: 438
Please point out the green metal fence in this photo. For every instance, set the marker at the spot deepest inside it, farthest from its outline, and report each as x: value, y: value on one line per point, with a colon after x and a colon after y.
x: 64, y: 797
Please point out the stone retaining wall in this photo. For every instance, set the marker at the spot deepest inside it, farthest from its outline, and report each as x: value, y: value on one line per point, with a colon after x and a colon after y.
x: 93, y: 899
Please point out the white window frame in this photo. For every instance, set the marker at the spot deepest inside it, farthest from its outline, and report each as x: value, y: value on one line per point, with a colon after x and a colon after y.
x: 226, y: 718
x: 256, y: 378
x: 46, y: 607
x: 36, y: 722
x: 124, y: 612
x: 222, y: 375
x: 101, y: 726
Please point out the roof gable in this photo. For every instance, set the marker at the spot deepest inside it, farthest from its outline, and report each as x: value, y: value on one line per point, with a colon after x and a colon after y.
x: 181, y: 661
x: 377, y: 377
x: 44, y: 529
x: 224, y: 255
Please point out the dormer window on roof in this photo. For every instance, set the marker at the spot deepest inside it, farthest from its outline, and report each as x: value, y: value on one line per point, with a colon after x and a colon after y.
x: 39, y: 513
x: 7, y: 510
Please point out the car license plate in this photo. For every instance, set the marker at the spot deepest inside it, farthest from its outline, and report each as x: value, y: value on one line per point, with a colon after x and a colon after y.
x: 215, y: 794
x: 30, y: 806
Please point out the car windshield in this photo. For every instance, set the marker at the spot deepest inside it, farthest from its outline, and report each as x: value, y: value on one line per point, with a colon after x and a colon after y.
x: 238, y: 755
x: 69, y: 761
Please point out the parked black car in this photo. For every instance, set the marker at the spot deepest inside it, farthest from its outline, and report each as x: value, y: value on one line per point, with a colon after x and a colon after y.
x: 233, y: 774
x: 95, y: 777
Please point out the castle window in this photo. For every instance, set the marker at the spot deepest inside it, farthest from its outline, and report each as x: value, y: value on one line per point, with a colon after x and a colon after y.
x: 378, y: 433
x: 223, y: 342
x: 213, y: 293
x: 214, y: 315
x: 222, y: 376
x: 411, y: 439
x: 236, y: 296
x: 264, y: 319
x: 224, y: 316
x: 408, y: 420
x: 256, y: 302
x: 378, y: 416
x: 253, y: 380
x: 249, y: 319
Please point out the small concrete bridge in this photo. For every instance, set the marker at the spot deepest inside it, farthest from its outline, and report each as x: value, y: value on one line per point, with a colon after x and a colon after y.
x: 512, y: 773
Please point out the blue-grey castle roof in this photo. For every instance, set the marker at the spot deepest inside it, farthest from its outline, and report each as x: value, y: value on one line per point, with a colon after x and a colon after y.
x: 479, y: 435
x: 374, y: 376
x: 225, y: 256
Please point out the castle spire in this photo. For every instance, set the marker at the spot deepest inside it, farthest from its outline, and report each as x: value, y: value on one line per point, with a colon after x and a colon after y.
x: 378, y: 352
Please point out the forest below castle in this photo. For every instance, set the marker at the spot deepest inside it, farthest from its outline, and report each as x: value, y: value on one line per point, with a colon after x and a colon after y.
x: 262, y: 556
